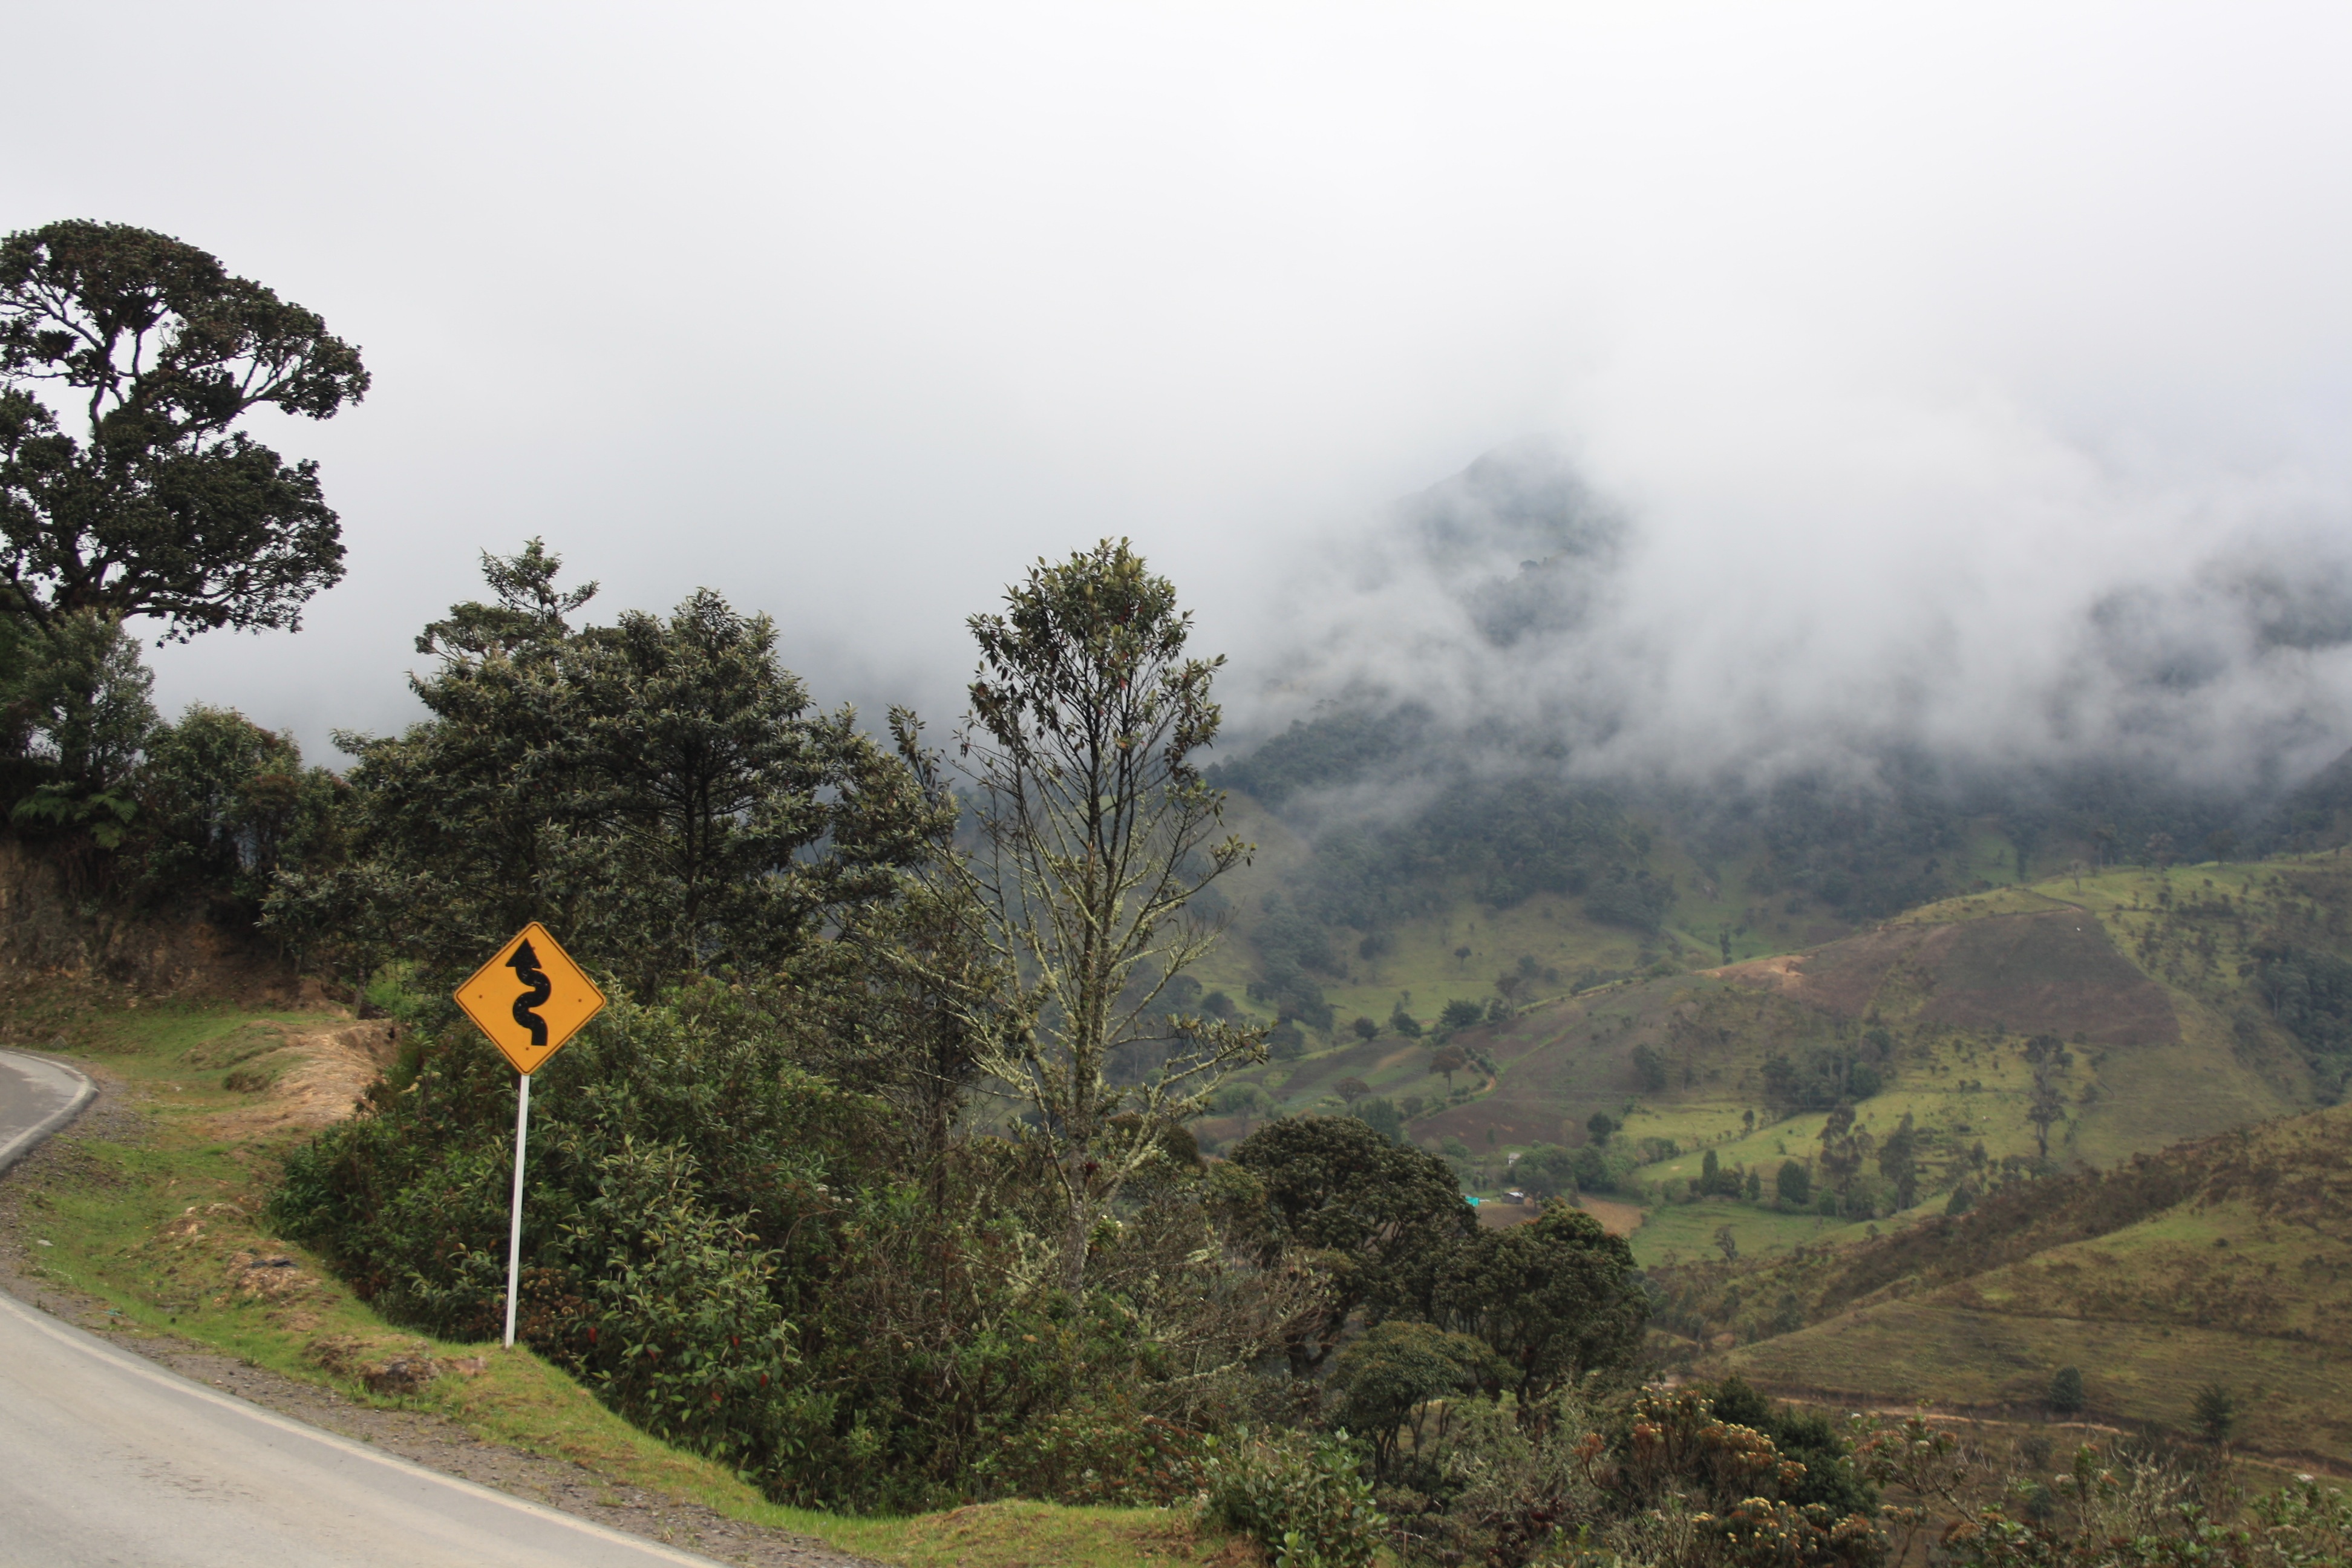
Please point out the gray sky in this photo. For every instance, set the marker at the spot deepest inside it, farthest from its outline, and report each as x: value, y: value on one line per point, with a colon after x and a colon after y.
x: 1904, y: 338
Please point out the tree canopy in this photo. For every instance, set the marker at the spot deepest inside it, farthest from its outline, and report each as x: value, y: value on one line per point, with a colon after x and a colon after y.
x: 126, y: 491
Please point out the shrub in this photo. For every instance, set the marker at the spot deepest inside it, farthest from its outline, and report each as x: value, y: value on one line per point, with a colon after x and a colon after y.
x: 1794, y: 1185
x: 1649, y: 1071
x: 1300, y: 1498
x: 2067, y: 1396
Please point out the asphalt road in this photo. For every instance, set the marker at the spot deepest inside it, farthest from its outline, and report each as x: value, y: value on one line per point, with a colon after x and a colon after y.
x: 37, y: 1098
x: 106, y: 1459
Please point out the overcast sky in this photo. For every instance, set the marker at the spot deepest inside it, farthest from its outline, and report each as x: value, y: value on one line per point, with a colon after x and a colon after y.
x: 1884, y: 324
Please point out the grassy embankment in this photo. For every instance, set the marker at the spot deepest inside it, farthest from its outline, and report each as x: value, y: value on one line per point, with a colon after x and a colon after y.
x: 164, y: 1225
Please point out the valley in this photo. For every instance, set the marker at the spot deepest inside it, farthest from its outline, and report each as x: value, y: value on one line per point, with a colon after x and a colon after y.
x: 1960, y: 1092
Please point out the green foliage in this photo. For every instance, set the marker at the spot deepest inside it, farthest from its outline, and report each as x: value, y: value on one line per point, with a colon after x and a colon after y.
x: 1329, y: 752
x: 1366, y: 1028
x: 657, y: 791
x: 76, y: 696
x: 2136, y: 1513
x: 1380, y: 1216
x: 1558, y: 1299
x: 1292, y: 950
x: 1547, y: 1171
x: 2310, y: 993
x: 2213, y: 1413
x: 1675, y: 1447
x: 158, y: 507
x: 229, y: 804
x: 1824, y: 1078
x: 1830, y: 1479
x: 2066, y: 1393
x: 1381, y: 1116
x: 1393, y: 1383
x: 1298, y: 1497
x: 1793, y: 1185
x: 1650, y: 1069
x: 722, y: 1244
x: 1460, y: 1014
x: 1404, y: 1022
x: 1096, y: 835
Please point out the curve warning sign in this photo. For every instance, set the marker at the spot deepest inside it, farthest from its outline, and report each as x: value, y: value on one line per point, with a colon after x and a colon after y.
x: 530, y: 998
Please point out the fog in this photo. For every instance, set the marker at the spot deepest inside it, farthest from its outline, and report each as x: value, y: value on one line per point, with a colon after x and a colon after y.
x: 1978, y: 379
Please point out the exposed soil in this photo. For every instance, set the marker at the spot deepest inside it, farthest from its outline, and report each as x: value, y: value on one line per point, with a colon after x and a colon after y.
x: 422, y: 1438
x: 313, y: 1075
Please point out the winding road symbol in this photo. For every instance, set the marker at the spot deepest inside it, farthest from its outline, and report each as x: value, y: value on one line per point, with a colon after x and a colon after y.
x: 530, y: 998
x: 525, y: 963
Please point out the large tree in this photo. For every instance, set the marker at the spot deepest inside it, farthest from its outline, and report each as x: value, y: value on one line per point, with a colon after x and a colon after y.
x: 127, y: 357
x: 1095, y: 831
x: 1379, y: 1218
x: 660, y: 791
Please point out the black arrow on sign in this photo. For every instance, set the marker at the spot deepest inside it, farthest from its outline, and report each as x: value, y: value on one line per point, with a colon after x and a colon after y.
x: 525, y: 963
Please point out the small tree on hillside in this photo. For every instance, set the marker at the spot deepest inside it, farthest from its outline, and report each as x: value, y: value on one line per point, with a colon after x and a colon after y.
x: 1095, y: 831
x: 152, y: 504
x: 1366, y: 1029
x: 1793, y: 1185
x: 2046, y: 1106
x: 1352, y: 1089
x: 2214, y: 1414
x: 2066, y: 1394
x: 1462, y: 1014
x: 1448, y: 1060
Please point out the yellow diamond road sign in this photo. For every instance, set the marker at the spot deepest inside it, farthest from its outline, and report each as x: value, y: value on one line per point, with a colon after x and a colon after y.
x: 530, y: 998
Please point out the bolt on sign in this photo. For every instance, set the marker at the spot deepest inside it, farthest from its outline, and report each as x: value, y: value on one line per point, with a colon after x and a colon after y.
x: 530, y: 998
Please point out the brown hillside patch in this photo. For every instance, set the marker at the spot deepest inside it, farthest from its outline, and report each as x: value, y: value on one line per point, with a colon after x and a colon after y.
x: 307, y: 1079
x: 1616, y: 1218
x: 1522, y: 1109
x: 1781, y: 972
x: 2053, y: 973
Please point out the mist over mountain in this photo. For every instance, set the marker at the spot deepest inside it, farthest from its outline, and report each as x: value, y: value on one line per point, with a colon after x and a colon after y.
x: 1536, y: 620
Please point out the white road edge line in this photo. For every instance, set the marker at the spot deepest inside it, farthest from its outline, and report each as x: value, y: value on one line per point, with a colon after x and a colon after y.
x: 24, y: 1143
x: 138, y: 1366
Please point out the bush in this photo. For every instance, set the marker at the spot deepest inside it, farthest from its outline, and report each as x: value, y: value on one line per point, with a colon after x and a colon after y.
x: 1461, y: 1014
x: 1302, y: 1498
x: 1649, y: 1071
x: 1502, y: 1486
x: 2066, y: 1395
x: 1794, y: 1185
x: 1383, y: 1118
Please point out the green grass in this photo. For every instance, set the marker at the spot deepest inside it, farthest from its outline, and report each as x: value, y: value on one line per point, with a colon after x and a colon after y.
x: 1684, y: 1233
x: 153, y: 1226
x: 2240, y: 1282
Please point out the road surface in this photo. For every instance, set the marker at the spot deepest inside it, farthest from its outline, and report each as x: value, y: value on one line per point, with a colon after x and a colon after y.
x: 106, y: 1459
x: 37, y: 1098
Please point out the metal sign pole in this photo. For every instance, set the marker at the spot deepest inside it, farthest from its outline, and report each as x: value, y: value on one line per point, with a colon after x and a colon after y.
x: 514, y: 1235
